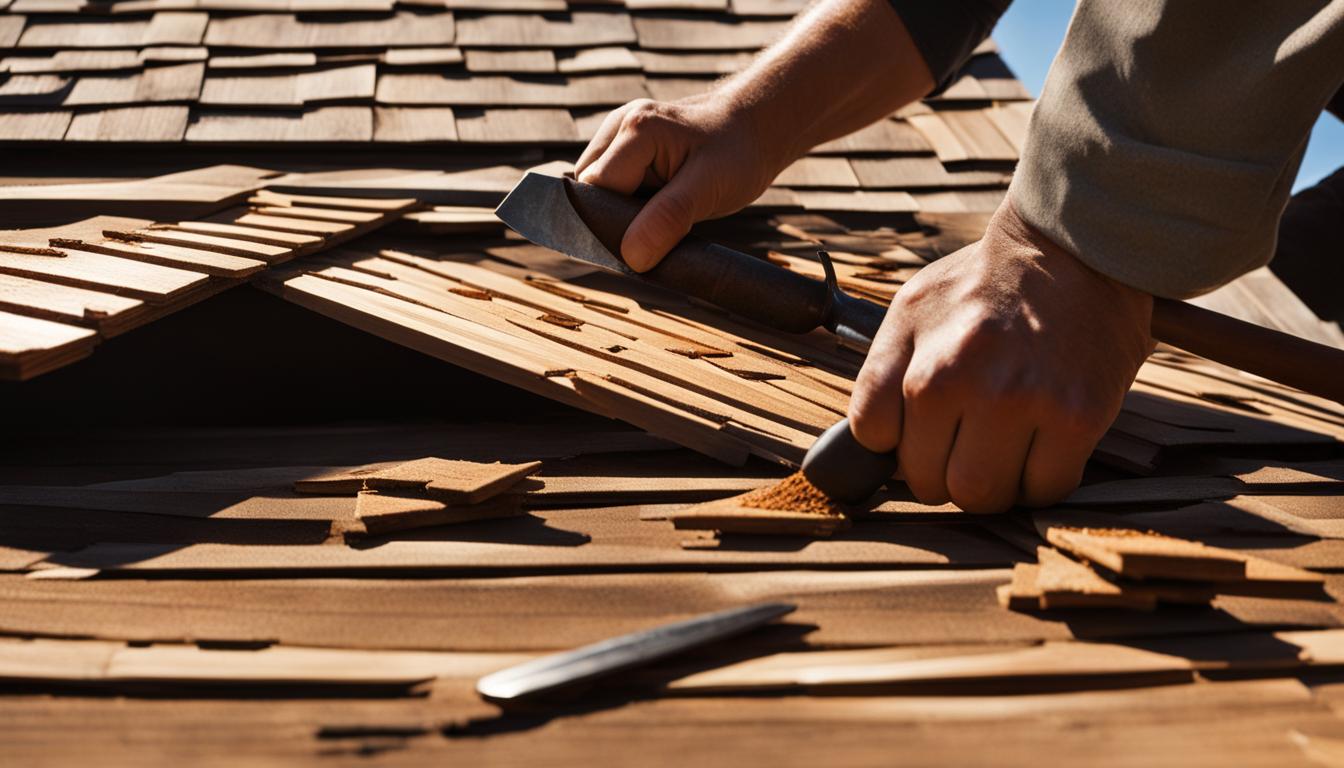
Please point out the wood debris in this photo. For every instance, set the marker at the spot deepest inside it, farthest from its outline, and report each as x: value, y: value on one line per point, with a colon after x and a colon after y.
x: 792, y: 506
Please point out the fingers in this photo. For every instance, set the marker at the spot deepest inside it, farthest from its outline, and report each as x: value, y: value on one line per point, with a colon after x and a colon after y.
x: 623, y: 163
x: 667, y: 217
x: 1054, y: 466
x: 984, y: 469
x: 875, y: 408
x: 933, y: 416
x: 601, y: 140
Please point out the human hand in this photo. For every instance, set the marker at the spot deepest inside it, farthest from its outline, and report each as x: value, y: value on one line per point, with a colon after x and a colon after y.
x: 998, y: 369
x: 704, y: 153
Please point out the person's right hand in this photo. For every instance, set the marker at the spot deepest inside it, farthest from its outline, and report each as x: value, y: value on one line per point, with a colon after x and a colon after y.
x: 709, y: 160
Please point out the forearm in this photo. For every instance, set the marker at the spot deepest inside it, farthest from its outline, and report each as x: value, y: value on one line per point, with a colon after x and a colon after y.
x: 843, y: 65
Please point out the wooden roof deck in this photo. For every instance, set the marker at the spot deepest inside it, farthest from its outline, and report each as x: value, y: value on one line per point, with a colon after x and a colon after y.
x: 167, y: 596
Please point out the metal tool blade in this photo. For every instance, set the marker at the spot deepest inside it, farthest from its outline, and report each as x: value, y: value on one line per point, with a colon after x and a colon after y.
x: 540, y: 210
x: 550, y: 673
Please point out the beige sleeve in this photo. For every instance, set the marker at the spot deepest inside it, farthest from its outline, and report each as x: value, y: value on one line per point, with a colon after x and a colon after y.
x: 1169, y: 132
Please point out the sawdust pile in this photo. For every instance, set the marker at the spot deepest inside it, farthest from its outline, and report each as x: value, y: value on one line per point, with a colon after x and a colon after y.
x: 792, y: 494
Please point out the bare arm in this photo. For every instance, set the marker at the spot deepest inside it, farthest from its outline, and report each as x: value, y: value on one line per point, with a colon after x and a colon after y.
x: 842, y: 65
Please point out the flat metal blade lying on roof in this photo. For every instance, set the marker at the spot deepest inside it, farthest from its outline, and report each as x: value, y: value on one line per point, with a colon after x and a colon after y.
x: 551, y: 673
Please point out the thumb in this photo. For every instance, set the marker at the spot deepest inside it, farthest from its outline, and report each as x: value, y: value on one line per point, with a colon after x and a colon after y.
x: 668, y: 217
x: 876, y: 409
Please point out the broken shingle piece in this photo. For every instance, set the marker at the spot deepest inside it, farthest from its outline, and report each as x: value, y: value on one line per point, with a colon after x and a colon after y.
x: 459, y: 482
x: 379, y: 512
x: 1140, y: 555
x: 444, y: 480
x: 792, y: 506
x: 1067, y: 583
x: 1146, y: 555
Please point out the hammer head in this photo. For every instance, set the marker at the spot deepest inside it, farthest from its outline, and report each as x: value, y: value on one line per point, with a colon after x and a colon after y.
x: 840, y: 467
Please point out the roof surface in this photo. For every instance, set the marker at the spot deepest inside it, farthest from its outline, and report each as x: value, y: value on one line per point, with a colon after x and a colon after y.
x: 292, y: 594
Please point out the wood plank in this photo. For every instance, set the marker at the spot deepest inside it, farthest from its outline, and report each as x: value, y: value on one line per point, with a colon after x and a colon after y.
x: 573, y: 30
x: 11, y: 28
x: 357, y: 218
x: 487, y: 60
x: 337, y: 124
x: 216, y: 243
x: 433, y: 333
x: 497, y: 90
x: 622, y: 542
x: 447, y: 480
x: 252, y: 234
x: 939, y: 134
x: 698, y: 34
x: 84, y: 269
x: 732, y: 401
x: 30, y: 346
x: 693, y: 63
x: 34, y: 126
x: 280, y: 60
x: 289, y: 31
x: 516, y: 125
x: 35, y: 90
x: 601, y: 59
x: 65, y: 304
x: 130, y: 124
x: 196, y: 260
x: 979, y: 135
x: 65, y: 62
x: 177, y: 82
x: 290, y: 225
x: 422, y: 57
x: 174, y: 28
x: 414, y: 124
x: 291, y: 90
x: 881, y: 136
x: 819, y: 172
x: 1012, y: 120
x: 343, y: 205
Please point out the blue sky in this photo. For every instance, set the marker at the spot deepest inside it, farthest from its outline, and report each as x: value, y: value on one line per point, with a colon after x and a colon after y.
x: 1031, y: 31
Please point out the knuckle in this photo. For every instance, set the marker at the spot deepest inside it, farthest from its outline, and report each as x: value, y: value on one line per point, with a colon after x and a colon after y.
x: 972, y: 490
x: 931, y: 380
x: 640, y: 115
x: 1078, y: 417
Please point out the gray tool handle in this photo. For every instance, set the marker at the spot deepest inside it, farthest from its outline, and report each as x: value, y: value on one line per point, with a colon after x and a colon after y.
x: 840, y: 467
x: 742, y: 284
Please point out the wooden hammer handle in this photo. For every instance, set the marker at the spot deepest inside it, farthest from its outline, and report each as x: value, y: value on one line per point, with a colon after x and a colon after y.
x: 1281, y: 357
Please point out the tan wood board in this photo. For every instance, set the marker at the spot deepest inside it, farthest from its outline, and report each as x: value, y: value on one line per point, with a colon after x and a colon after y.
x: 85, y: 269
